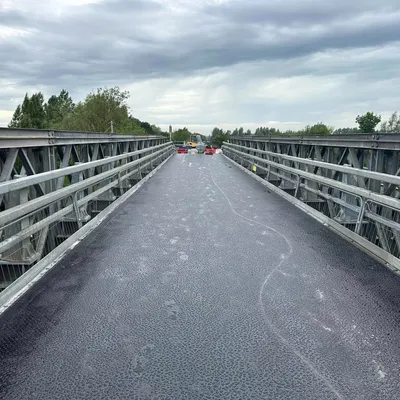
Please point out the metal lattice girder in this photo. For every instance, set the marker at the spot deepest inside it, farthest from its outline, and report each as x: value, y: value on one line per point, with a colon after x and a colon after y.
x: 51, y: 183
x: 39, y: 178
x: 358, y: 140
x: 16, y: 212
x: 24, y: 138
x: 341, y: 191
x: 82, y: 201
x: 329, y: 166
x: 7, y: 168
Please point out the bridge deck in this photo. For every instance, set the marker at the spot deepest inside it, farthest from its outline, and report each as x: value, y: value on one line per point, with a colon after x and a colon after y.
x: 205, y: 286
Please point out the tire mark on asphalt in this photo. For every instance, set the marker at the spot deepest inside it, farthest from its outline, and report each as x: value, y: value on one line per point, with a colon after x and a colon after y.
x: 284, y: 258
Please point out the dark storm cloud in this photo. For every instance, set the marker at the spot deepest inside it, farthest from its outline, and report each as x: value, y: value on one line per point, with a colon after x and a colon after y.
x: 128, y: 40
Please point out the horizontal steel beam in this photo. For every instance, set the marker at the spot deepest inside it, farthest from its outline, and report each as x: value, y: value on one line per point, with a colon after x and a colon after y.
x: 16, y: 138
x: 389, y: 260
x: 379, y: 176
x: 364, y: 193
x: 29, y: 278
x: 358, y: 140
x: 26, y: 233
x: 326, y: 196
x: 14, y: 213
x: 31, y: 180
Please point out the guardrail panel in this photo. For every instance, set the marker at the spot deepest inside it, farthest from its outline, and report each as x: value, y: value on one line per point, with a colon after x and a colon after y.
x: 362, y: 204
x: 50, y: 192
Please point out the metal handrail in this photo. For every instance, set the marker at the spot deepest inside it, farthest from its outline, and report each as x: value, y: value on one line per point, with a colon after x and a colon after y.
x: 364, y: 193
x: 9, y: 186
x: 17, y: 137
x: 380, y: 176
x: 13, y: 213
x: 26, y: 233
x: 377, y: 140
x: 375, y: 229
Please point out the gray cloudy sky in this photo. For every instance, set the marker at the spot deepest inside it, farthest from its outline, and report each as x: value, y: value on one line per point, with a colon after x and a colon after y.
x: 202, y: 63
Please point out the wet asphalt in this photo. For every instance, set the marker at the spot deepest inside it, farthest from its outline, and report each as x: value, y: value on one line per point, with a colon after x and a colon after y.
x: 203, y: 285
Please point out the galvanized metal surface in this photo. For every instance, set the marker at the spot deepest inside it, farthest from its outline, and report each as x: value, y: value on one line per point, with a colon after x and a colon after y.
x: 379, y: 176
x: 17, y: 138
x: 9, y: 215
x: 377, y: 140
x: 366, y: 212
x: 9, y: 186
x: 47, y: 193
x: 26, y: 281
x: 37, y: 203
x: 366, y: 194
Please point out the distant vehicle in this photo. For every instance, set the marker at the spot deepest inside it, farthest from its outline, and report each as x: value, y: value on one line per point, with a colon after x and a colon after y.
x: 193, y: 145
x: 194, y: 140
x: 182, y: 150
x: 210, y: 150
x: 201, y: 147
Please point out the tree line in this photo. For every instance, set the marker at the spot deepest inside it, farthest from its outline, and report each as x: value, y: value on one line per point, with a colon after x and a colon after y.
x: 104, y: 110
x: 367, y: 123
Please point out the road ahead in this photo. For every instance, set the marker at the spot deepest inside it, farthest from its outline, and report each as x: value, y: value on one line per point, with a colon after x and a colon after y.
x: 204, y: 285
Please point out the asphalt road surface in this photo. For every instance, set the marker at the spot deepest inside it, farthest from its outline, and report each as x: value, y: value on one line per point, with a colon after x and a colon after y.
x: 203, y: 285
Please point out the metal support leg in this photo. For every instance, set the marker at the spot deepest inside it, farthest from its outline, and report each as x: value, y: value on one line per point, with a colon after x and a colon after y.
x: 360, y: 217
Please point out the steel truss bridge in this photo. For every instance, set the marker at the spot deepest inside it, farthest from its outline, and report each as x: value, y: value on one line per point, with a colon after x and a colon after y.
x: 269, y: 271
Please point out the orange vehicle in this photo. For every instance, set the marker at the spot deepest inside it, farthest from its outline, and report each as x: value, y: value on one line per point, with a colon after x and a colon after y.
x: 193, y: 140
x: 193, y: 145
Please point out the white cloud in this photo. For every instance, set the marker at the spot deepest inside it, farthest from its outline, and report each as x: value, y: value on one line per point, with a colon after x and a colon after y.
x: 207, y: 63
x: 5, y: 117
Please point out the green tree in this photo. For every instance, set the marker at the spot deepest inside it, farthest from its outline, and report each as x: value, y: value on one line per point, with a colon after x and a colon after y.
x: 219, y: 139
x: 342, y: 131
x: 181, y: 135
x: 37, y: 114
x: 216, y: 131
x: 131, y: 126
x: 147, y: 128
x: 318, y: 129
x: 392, y: 125
x: 157, y: 130
x: 368, y: 122
x: 57, y: 108
x: 31, y: 114
x: 16, y: 118
x: 263, y: 131
x: 97, y: 111
x: 52, y: 110
x: 218, y: 136
x: 94, y: 114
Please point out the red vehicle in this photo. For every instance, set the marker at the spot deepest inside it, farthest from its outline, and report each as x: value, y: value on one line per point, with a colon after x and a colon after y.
x: 210, y: 150
x: 182, y: 150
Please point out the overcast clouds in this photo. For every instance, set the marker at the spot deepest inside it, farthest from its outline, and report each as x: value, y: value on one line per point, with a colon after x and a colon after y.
x: 282, y: 63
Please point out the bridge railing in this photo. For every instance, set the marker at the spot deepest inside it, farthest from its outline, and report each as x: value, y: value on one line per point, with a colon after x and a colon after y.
x: 360, y: 204
x: 42, y: 209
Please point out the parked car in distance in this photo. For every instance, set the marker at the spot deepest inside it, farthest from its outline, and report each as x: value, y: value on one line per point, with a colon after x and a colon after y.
x: 210, y: 150
x: 182, y: 150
